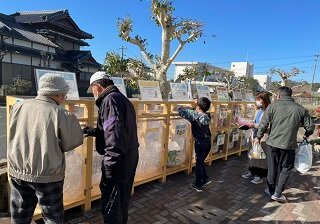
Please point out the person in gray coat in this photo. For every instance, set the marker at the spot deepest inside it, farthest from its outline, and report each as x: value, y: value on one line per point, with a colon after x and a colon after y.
x: 284, y: 117
x: 40, y: 132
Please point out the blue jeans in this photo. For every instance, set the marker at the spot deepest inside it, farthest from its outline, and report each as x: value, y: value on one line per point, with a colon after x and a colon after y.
x: 202, y: 149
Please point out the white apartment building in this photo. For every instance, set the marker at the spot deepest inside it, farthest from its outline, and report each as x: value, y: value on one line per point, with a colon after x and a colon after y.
x: 264, y: 81
x: 242, y: 69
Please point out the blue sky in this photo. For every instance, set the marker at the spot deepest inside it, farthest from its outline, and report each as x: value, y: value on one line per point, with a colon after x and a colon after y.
x: 267, y: 33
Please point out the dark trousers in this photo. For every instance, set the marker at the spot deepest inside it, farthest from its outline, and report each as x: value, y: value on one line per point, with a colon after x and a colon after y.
x: 25, y: 196
x: 280, y: 164
x: 116, y: 192
x: 202, y: 149
x: 257, y: 171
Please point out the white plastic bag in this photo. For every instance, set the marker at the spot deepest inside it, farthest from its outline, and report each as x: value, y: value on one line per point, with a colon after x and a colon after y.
x: 303, y: 159
x: 256, y: 152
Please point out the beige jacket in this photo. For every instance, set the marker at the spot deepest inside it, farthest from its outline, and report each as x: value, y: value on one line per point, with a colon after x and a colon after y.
x: 40, y: 133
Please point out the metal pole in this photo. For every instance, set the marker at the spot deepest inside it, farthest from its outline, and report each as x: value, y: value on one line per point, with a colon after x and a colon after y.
x: 314, y: 69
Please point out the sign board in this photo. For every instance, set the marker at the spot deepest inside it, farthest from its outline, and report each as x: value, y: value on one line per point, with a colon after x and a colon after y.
x: 203, y: 91
x: 250, y: 110
x: 223, y: 113
x: 237, y: 96
x: 70, y: 78
x: 249, y: 95
x: 179, y: 91
x: 119, y: 83
x: 235, y: 137
x: 222, y: 93
x: 181, y: 130
x: 220, y: 139
x: 149, y: 90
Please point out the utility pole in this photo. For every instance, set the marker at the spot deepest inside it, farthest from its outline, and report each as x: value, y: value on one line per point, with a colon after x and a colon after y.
x: 314, y: 68
x: 122, y: 48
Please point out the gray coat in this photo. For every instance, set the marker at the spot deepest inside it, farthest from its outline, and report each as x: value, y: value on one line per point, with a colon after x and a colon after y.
x: 284, y: 118
x: 40, y: 133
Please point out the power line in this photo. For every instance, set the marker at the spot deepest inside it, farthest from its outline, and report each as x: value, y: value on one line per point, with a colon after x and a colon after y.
x: 265, y: 59
x: 293, y: 63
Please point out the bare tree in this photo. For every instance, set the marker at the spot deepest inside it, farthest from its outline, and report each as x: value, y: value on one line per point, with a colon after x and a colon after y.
x: 228, y: 77
x: 285, y: 75
x: 173, y: 28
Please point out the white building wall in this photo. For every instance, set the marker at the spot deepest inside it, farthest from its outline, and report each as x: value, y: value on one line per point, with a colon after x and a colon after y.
x: 7, y: 58
x: 92, y: 69
x: 55, y: 65
x: 52, y: 50
x: 264, y: 81
x: 242, y: 69
x: 21, y: 59
x: 40, y: 47
x: 35, y: 61
x: 7, y: 40
x: 22, y: 43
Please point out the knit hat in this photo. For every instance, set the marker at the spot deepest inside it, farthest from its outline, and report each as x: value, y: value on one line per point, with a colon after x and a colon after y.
x: 51, y: 84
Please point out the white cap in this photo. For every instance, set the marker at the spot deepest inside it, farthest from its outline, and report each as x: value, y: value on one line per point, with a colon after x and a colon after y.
x: 97, y: 76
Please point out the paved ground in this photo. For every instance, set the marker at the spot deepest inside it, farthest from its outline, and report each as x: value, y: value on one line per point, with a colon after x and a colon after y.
x: 229, y: 199
x: 3, y: 130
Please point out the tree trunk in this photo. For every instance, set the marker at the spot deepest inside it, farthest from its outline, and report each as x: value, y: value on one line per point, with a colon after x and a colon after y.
x: 283, y: 82
x: 161, y: 75
x: 165, y: 45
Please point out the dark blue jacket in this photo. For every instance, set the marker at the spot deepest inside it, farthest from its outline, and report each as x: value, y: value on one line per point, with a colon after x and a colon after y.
x: 117, y: 130
x: 199, y: 123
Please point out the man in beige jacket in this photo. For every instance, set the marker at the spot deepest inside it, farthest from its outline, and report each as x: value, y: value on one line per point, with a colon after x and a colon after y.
x: 40, y: 133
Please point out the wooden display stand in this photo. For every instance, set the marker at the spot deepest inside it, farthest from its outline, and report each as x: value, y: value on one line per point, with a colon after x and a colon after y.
x: 166, y: 143
x: 180, y: 134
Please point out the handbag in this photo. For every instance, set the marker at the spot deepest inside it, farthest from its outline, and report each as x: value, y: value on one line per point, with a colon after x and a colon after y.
x: 303, y: 158
x: 256, y: 152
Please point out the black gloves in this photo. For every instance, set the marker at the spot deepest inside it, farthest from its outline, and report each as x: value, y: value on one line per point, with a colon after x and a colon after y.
x: 87, y: 131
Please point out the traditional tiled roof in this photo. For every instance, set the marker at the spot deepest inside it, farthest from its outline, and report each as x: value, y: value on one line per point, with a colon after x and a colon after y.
x: 9, y: 27
x: 52, y: 17
x: 82, y: 57
x: 38, y: 16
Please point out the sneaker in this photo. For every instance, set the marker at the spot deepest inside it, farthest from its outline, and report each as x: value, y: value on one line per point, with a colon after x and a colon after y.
x: 197, y: 188
x: 206, y: 183
x: 247, y: 175
x: 257, y: 180
x: 281, y: 199
x: 267, y: 191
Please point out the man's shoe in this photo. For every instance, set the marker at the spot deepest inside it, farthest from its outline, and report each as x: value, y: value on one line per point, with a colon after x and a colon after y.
x: 267, y: 191
x: 247, y: 175
x: 196, y: 187
x: 281, y: 199
x: 257, y: 180
x: 206, y: 183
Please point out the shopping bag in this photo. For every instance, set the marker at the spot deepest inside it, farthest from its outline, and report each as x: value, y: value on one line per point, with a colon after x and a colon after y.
x: 256, y: 152
x: 303, y: 159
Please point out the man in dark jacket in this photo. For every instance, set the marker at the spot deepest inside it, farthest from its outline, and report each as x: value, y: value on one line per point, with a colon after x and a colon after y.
x: 284, y: 117
x: 116, y: 139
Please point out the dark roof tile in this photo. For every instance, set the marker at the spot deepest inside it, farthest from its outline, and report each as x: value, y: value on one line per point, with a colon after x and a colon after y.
x: 8, y: 26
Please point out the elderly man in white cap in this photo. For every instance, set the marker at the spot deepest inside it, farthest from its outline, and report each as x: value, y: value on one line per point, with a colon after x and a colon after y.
x: 40, y: 133
x: 116, y: 139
